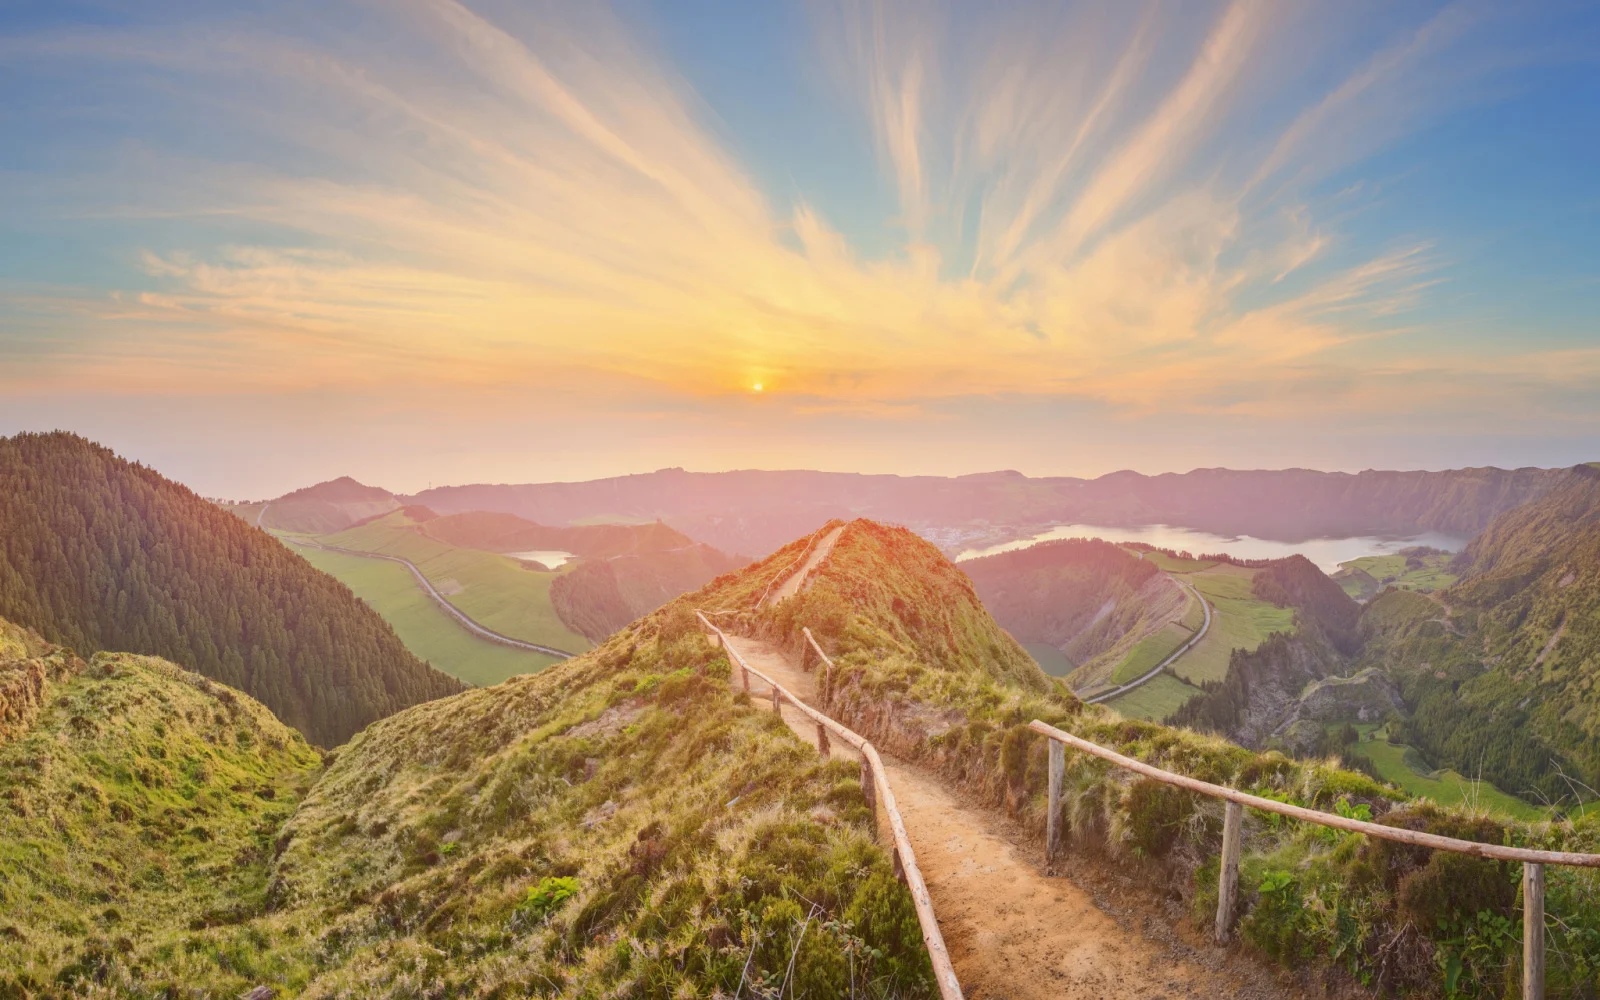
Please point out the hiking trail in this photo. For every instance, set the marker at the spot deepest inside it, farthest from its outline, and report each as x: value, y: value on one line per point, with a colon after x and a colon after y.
x: 1013, y: 932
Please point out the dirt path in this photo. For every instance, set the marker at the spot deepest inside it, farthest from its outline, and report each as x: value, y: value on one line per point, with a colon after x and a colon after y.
x: 791, y: 585
x: 1013, y: 932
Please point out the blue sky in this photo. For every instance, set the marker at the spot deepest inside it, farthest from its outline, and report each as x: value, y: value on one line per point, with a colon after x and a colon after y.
x: 259, y: 244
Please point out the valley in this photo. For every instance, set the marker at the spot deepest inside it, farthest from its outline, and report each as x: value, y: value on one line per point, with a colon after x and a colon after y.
x: 427, y: 630
x: 491, y: 595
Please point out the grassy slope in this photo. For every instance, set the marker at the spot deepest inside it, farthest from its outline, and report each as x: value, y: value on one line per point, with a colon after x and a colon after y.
x: 1239, y: 620
x: 619, y: 825
x: 1150, y: 651
x: 1363, y: 578
x: 691, y: 823
x: 136, y: 813
x: 496, y: 591
x: 1155, y: 699
x: 425, y: 628
x: 1404, y: 767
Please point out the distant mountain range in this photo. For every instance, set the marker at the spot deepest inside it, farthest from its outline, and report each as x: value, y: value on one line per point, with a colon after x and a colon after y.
x: 756, y: 511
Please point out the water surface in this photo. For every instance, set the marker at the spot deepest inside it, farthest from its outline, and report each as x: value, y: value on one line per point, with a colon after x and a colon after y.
x: 551, y: 558
x: 1327, y: 553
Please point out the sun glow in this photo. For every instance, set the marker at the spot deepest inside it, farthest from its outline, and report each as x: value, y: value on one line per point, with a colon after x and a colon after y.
x: 756, y: 388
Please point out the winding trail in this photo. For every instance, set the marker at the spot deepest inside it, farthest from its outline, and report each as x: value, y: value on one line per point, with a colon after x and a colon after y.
x: 1013, y: 932
x: 1204, y: 628
x: 427, y: 586
x: 794, y: 581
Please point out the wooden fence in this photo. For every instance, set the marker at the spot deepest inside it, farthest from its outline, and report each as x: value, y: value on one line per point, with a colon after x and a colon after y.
x: 1533, y: 861
x: 875, y: 786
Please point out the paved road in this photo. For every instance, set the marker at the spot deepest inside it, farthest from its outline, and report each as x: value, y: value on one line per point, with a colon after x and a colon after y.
x: 1204, y: 628
x: 451, y: 609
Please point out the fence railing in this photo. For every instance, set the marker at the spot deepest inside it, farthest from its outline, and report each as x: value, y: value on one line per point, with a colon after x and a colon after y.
x: 875, y: 787
x: 1533, y: 861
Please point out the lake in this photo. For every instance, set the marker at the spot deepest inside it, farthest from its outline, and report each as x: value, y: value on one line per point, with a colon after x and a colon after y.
x: 1327, y: 553
x: 550, y: 557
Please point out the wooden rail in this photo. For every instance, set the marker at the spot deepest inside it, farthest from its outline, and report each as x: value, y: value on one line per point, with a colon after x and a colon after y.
x: 1533, y: 861
x: 875, y: 786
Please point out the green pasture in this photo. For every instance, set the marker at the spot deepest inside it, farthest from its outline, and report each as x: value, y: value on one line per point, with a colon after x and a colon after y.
x: 425, y: 628
x: 496, y: 591
x: 1403, y: 767
x: 1155, y: 699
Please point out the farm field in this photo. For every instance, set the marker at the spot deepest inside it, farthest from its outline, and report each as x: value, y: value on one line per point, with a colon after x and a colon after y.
x: 1366, y: 577
x: 1155, y: 699
x: 1405, y: 768
x: 389, y: 589
x: 1240, y: 620
x: 494, y: 590
x: 1148, y: 653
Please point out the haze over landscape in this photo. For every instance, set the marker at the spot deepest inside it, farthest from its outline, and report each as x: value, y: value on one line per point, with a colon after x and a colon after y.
x: 811, y: 499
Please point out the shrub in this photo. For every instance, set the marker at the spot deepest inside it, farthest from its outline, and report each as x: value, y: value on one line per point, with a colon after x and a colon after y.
x: 547, y: 897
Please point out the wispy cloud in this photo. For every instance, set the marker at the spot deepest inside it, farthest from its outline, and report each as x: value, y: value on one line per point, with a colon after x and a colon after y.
x: 444, y: 194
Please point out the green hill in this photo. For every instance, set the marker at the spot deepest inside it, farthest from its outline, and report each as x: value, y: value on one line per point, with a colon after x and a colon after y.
x: 139, y: 805
x: 102, y: 554
x: 622, y: 824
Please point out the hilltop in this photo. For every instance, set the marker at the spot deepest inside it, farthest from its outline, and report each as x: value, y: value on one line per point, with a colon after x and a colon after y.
x: 98, y: 553
x: 331, y: 506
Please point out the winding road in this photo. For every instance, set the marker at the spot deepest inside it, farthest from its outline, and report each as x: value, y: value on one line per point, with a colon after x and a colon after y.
x: 1204, y: 628
x: 454, y: 612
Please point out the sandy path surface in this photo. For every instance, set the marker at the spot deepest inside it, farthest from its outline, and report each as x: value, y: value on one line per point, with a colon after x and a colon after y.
x: 819, y: 552
x: 1013, y: 932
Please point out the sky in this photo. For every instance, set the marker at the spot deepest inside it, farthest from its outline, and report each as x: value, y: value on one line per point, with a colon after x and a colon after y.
x: 261, y: 244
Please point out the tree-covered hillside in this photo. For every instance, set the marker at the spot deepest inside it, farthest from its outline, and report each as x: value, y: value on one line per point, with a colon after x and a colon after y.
x: 1502, y: 671
x: 102, y: 554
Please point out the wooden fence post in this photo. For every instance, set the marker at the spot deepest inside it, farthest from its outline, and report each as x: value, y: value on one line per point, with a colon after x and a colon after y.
x: 1058, y: 767
x: 899, y: 867
x: 869, y: 790
x: 822, y: 741
x: 1228, y: 876
x: 1532, y: 931
x: 777, y: 708
x: 746, y: 671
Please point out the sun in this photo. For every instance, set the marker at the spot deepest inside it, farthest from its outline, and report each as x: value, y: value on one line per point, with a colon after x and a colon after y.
x: 756, y: 388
